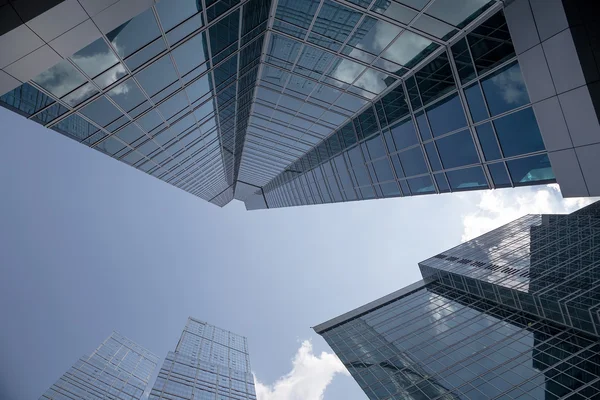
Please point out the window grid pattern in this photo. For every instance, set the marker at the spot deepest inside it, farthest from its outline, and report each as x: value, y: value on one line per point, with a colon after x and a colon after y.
x: 207, y: 94
x: 208, y: 363
x: 437, y: 132
x: 441, y: 343
x: 118, y: 369
x: 546, y: 265
x: 168, y: 92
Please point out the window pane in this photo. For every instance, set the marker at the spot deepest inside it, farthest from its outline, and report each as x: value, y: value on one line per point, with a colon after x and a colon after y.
x: 421, y: 185
x: 434, y: 160
x: 466, y: 179
x: 383, y: 170
x: 190, y: 55
x: 404, y: 134
x: 423, y: 126
x: 407, y: 50
x: 519, y: 133
x: 488, y: 142
x: 390, y: 189
x: 490, y: 43
x: 499, y: 175
x: 446, y: 116
x: 413, y: 162
x: 476, y: 104
x: 505, y: 90
x: 134, y: 34
x: 101, y: 111
x: 524, y: 171
x: 157, y: 76
x: 463, y: 61
x: 442, y: 184
x: 375, y: 147
x: 60, y: 79
x: 457, y: 150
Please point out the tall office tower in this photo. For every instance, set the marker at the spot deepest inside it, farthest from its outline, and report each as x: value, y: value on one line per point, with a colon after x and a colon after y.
x: 512, y: 314
x: 283, y: 102
x: 208, y: 363
x: 118, y: 369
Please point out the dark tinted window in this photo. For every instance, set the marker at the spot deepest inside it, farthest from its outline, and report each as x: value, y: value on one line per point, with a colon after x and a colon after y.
x: 524, y: 171
x: 413, y: 162
x: 505, y: 89
x: 519, y: 133
x: 457, y: 150
x: 466, y: 179
x: 488, y: 142
x: 446, y: 116
x: 404, y: 134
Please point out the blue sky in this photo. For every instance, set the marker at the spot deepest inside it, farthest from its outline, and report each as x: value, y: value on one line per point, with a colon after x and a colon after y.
x: 89, y: 245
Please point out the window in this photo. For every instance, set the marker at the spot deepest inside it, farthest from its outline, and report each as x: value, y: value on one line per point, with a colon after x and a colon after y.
x: 519, y: 133
x: 457, y: 150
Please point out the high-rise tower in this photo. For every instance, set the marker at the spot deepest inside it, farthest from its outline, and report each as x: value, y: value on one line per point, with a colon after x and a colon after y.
x: 117, y: 369
x: 283, y: 103
x: 512, y: 314
x: 207, y: 363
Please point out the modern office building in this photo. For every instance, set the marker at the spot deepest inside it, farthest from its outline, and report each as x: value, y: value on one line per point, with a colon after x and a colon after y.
x: 208, y: 363
x: 283, y: 102
x: 512, y: 314
x: 117, y: 369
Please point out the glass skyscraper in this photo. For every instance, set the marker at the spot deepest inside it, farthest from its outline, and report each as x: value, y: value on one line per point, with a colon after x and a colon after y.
x: 512, y: 314
x: 117, y: 369
x: 208, y: 363
x: 283, y: 103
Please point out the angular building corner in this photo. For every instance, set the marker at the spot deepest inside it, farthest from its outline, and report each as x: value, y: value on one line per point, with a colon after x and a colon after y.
x: 117, y: 369
x: 512, y: 314
x: 281, y: 103
x: 208, y: 363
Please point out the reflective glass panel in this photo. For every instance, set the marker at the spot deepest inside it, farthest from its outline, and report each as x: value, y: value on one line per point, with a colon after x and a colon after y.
x: 80, y: 95
x: 127, y: 95
x: 442, y: 184
x: 95, y: 58
x: 423, y: 126
x: 421, y: 185
x: 101, y: 111
x: 173, y: 12
x: 457, y: 150
x: 299, y: 13
x: 190, y: 54
x: 462, y: 58
x: 157, y: 75
x: 505, y: 89
x: 413, y: 162
x: 408, y: 49
x: 490, y: 43
x: 134, y: 34
x: 394, y: 10
x: 373, y: 35
x: 519, y: 133
x: 488, y: 142
x: 435, y: 27
x: 432, y: 155
x: 476, y: 103
x: 383, y: 170
x: 457, y: 12
x: 60, y: 79
x: 446, y: 116
x: 467, y: 179
x: 499, y: 175
x: 404, y: 134
x: 524, y: 171
x: 335, y: 21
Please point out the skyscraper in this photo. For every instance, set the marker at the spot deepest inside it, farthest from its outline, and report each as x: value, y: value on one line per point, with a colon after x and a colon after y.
x: 117, y: 369
x: 512, y: 314
x: 207, y: 363
x: 282, y: 103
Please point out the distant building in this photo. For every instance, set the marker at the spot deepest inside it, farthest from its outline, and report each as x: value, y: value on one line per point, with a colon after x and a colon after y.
x: 117, y: 369
x: 208, y: 363
x: 512, y: 314
x: 285, y: 103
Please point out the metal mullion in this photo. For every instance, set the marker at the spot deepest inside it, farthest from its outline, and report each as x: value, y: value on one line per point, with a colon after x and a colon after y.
x: 466, y: 111
x: 394, y: 22
x: 419, y: 137
x: 172, y: 58
x: 475, y: 23
x: 237, y: 96
x: 212, y: 77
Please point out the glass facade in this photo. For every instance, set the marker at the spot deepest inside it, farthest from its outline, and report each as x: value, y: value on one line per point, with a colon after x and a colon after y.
x: 306, y: 102
x: 209, y: 363
x: 512, y: 314
x: 118, y: 369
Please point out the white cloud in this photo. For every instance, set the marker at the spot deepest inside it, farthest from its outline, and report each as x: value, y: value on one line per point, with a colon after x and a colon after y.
x: 308, y: 378
x: 511, y: 85
x: 495, y: 208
